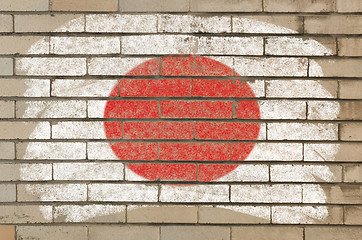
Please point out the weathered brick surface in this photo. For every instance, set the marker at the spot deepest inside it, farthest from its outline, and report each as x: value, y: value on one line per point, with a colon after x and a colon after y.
x: 108, y: 129
x: 299, y: 6
x: 322, y: 233
x: 32, y: 5
x: 84, y: 5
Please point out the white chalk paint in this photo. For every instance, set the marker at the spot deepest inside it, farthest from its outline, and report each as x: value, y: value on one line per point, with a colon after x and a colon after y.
x: 120, y: 66
x: 85, y: 213
x: 88, y: 171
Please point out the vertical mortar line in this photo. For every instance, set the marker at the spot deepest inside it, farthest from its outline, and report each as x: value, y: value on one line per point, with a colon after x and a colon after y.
x: 337, y: 47
x: 308, y: 65
x: 159, y: 232
x: 271, y: 213
x: 230, y: 231
x: 85, y: 22
x: 126, y: 214
x: 338, y: 89
x: 343, y: 214
x: 264, y: 43
x: 303, y: 233
x: 229, y: 193
x: 306, y: 110
x: 262, y: 6
x: 303, y: 25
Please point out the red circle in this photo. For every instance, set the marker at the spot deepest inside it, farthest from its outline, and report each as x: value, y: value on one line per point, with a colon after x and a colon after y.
x: 157, y: 127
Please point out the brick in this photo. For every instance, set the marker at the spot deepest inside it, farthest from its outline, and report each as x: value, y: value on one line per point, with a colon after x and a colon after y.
x: 350, y: 89
x: 7, y: 232
x: 158, y: 130
x: 51, y: 150
x: 342, y: 194
x: 333, y: 68
x: 135, y: 151
x: 89, y: 213
x: 12, y: 87
x: 301, y: 89
x: 121, y: 66
x: 280, y: 193
x: 228, y: 45
x: 307, y: 215
x: 6, y: 23
x: 7, y: 193
x: 194, y: 24
x: 302, y: 131
x: 52, y: 232
x: 50, y: 66
x: 8, y: 109
x: 51, y: 192
x: 51, y: 109
x: 225, y: 6
x: 161, y: 172
x: 156, y: 44
x: 267, y: 152
x: 21, y: 45
x: 49, y: 23
x: 242, y: 173
x: 221, y: 88
x: 77, y: 130
x: 26, y: 172
x: 18, y: 5
x: 336, y: 24
x: 123, y: 192
x: 24, y: 130
x: 267, y: 233
x: 352, y: 173
x: 25, y: 214
x: 300, y: 46
x: 127, y: 232
x: 293, y: 67
x: 132, y: 109
x: 227, y: 130
x: 351, y: 131
x: 343, y: 152
x: 194, y: 151
x: 332, y: 233
x: 154, y: 6
x: 195, y: 232
x: 234, y: 214
x: 350, y: 46
x: 161, y: 214
x: 85, y: 45
x: 196, y: 109
x: 193, y: 66
x: 328, y: 110
x: 299, y: 6
x: 121, y: 23
x: 88, y: 171
x: 84, y: 5
x: 155, y: 87
x: 349, y: 111
x: 305, y: 173
x: 279, y: 109
x: 276, y: 24
x: 352, y: 215
x: 7, y: 150
x: 100, y: 151
x: 194, y: 193
x: 82, y: 88
x: 348, y: 6
x: 6, y: 66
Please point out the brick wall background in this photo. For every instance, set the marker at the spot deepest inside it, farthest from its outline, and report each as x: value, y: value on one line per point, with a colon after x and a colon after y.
x: 60, y: 60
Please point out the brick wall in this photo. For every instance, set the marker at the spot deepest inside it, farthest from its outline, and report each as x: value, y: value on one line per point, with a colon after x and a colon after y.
x: 104, y: 135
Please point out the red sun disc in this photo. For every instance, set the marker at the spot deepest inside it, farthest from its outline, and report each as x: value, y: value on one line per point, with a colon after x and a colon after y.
x: 168, y: 124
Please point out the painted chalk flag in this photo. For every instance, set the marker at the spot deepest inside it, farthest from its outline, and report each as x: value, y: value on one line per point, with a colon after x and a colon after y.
x: 152, y: 118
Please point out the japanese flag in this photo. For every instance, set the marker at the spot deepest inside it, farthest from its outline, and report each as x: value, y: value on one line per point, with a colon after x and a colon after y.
x: 162, y: 115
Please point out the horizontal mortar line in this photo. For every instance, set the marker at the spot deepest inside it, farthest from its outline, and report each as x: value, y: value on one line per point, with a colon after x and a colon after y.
x: 187, y: 34
x: 190, y: 224
x: 196, y: 204
x: 110, y: 77
x: 164, y: 182
x: 191, y: 13
x: 192, y: 120
x: 142, y: 55
x: 178, y: 77
x: 174, y: 140
x: 226, y: 162
x: 169, y: 182
x: 62, y: 98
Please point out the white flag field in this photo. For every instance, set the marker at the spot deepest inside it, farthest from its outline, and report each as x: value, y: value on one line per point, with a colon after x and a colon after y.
x: 279, y: 180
